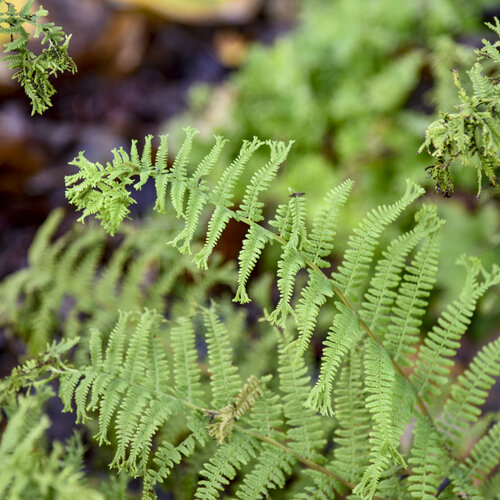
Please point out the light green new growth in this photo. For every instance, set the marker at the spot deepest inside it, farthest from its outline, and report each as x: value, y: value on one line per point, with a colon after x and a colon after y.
x: 33, y: 71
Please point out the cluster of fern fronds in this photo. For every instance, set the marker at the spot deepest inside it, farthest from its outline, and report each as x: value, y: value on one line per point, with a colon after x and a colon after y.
x: 33, y: 71
x: 188, y: 402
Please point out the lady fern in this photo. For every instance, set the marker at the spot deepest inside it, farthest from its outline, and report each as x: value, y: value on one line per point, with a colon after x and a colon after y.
x: 161, y: 399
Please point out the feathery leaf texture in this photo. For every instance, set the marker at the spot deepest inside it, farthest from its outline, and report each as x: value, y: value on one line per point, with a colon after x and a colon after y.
x: 79, y: 280
x: 249, y: 433
x: 28, y: 469
x: 471, y: 390
x: 428, y: 460
x: 342, y: 335
x: 33, y: 71
x: 351, y: 456
x: 470, y: 135
x: 384, y: 442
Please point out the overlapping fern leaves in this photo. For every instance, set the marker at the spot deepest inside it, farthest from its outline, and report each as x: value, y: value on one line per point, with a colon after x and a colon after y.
x: 78, y: 280
x: 257, y: 434
x: 393, y: 293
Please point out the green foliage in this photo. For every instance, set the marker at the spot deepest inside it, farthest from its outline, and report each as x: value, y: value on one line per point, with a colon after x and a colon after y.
x: 28, y: 470
x: 79, y: 281
x: 471, y: 135
x: 169, y: 396
x: 344, y: 388
x: 30, y: 70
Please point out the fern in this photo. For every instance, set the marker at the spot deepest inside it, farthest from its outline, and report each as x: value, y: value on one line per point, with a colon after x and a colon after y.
x: 28, y: 470
x: 471, y: 134
x: 78, y: 281
x: 158, y: 400
x: 469, y: 393
x: 30, y: 70
x: 433, y: 363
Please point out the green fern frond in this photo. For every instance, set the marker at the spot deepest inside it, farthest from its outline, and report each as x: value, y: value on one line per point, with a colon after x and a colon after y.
x: 313, y: 296
x: 412, y: 297
x: 179, y: 172
x: 305, y: 433
x: 223, y: 193
x: 384, y: 442
x: 441, y: 344
x: 316, y: 247
x: 33, y: 71
x: 289, y: 265
x: 270, y: 472
x: 167, y: 455
x: 251, y: 208
x: 485, y: 455
x: 471, y: 134
x: 28, y: 470
x: 224, y: 465
x: 381, y: 295
x: 266, y: 418
x: 186, y: 371
x: 251, y: 249
x: 197, y: 198
x: 471, y: 390
x: 428, y: 461
x: 351, y: 455
x: 225, y: 381
x: 343, y: 334
x: 319, y: 244
x: 352, y: 272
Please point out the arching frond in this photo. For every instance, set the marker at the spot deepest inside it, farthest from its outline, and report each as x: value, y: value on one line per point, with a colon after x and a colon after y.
x: 197, y: 198
x: 360, y: 248
x: 251, y: 207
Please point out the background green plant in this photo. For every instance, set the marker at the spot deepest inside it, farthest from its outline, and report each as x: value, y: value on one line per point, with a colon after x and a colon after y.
x: 230, y: 420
